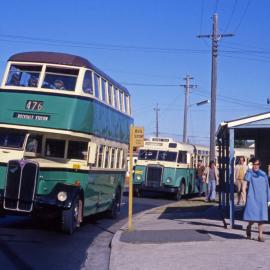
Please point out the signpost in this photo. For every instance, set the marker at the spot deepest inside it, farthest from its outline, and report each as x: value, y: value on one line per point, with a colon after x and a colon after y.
x: 136, y: 140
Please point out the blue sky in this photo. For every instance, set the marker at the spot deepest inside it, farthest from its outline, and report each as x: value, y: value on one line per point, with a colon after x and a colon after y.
x: 149, y: 46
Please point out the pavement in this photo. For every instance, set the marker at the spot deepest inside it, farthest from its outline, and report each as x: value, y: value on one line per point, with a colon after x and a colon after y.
x: 189, y: 234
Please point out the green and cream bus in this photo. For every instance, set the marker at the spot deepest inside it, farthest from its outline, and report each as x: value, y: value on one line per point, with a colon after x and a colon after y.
x: 168, y: 166
x: 64, y: 133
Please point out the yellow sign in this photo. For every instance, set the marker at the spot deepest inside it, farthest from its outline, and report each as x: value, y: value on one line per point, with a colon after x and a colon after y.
x: 138, y: 172
x: 136, y: 140
x: 138, y: 136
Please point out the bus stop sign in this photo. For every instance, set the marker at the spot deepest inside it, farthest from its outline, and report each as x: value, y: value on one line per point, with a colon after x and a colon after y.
x: 138, y: 136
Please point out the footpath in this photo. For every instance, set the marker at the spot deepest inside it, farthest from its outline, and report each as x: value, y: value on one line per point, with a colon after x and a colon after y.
x: 189, y: 234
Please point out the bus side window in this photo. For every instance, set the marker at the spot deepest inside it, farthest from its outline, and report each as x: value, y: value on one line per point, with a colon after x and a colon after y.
x: 101, y: 156
x: 113, y: 158
x: 77, y: 150
x: 182, y: 157
x: 87, y: 83
x: 55, y: 148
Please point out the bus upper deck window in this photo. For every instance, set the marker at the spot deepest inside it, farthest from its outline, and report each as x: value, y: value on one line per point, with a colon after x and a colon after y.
x: 23, y: 75
x: 60, y: 78
x: 87, y: 83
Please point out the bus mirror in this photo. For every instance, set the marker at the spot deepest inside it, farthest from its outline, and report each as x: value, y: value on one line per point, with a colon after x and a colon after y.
x: 92, y: 153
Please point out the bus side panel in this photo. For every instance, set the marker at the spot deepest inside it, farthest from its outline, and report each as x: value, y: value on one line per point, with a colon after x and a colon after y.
x: 49, y: 178
x: 3, y: 172
x: 106, y: 184
x: 65, y: 112
x: 110, y: 124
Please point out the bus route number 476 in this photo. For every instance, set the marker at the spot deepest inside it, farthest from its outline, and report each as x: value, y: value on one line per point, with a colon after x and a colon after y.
x: 34, y: 105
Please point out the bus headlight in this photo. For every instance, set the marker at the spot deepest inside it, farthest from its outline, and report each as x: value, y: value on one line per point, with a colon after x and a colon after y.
x: 138, y: 177
x: 62, y: 196
x: 168, y: 180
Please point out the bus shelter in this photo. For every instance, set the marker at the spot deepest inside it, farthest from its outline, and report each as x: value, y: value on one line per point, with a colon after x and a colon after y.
x: 254, y: 127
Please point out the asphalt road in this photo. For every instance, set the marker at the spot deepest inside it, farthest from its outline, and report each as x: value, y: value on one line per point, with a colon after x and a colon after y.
x: 26, y: 244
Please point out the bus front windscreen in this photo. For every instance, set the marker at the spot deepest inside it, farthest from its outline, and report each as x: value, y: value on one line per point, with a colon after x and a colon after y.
x: 167, y: 156
x: 147, y: 155
x: 10, y: 139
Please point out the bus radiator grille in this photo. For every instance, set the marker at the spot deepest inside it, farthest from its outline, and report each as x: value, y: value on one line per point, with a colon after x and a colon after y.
x: 20, y: 185
x: 154, y: 176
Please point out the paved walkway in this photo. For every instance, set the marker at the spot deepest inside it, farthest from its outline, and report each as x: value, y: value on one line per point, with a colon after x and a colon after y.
x: 187, y: 235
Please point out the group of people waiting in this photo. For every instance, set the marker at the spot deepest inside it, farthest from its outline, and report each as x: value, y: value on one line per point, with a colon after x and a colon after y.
x: 252, y: 188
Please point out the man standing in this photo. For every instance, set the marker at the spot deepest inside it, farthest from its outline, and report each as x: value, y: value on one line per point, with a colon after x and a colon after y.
x: 199, y: 177
x: 212, y: 180
x: 240, y: 171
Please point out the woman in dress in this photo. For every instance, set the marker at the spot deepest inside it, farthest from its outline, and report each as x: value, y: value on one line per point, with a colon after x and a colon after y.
x: 258, y: 196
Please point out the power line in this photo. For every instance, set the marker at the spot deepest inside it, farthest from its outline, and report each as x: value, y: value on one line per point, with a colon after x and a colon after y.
x: 149, y: 84
x: 242, y: 17
x: 231, y: 16
x: 69, y: 43
x: 202, y: 13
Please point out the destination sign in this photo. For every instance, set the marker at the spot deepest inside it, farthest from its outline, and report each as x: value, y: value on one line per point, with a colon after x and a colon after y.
x: 28, y: 116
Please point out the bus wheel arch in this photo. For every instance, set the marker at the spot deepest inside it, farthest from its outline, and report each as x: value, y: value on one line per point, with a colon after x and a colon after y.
x: 72, y: 217
x: 181, y: 190
x: 116, y: 203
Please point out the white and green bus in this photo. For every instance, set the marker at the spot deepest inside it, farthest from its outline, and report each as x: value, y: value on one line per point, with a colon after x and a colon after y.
x: 165, y: 165
x: 64, y: 134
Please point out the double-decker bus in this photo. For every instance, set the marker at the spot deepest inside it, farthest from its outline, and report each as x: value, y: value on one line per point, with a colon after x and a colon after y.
x: 64, y: 133
x: 168, y: 166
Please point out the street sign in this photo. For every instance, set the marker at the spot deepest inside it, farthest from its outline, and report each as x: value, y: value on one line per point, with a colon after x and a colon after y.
x: 136, y: 140
x: 138, y: 136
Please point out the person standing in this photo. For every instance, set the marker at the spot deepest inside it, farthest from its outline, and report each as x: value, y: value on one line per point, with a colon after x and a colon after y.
x: 256, y: 209
x: 241, y: 184
x: 199, y: 177
x: 212, y: 180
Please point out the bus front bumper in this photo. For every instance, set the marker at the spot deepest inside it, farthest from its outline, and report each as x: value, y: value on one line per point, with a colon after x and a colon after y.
x: 42, y: 204
x: 163, y: 188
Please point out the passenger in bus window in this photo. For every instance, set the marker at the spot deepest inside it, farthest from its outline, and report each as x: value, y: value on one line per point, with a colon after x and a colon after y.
x: 58, y: 84
x: 32, y: 145
x: 15, y: 79
x: 33, y: 81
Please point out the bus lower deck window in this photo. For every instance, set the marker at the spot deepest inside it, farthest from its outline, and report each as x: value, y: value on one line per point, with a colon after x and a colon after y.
x: 55, y: 148
x: 77, y: 150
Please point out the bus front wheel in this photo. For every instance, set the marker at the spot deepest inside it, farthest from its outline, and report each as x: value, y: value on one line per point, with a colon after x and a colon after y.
x: 115, y: 207
x: 71, y: 218
x: 180, y: 192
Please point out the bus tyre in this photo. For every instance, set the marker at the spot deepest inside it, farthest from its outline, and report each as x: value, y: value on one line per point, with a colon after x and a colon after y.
x: 138, y: 193
x: 180, y: 192
x: 71, y: 218
x: 115, y: 207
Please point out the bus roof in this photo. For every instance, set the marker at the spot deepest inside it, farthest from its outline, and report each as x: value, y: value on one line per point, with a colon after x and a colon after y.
x: 62, y: 59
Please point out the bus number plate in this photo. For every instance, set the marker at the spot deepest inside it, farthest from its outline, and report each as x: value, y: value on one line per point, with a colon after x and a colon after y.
x: 34, y: 105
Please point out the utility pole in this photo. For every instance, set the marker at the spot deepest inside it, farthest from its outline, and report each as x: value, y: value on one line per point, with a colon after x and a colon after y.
x: 187, y: 87
x: 215, y: 38
x: 157, y: 110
